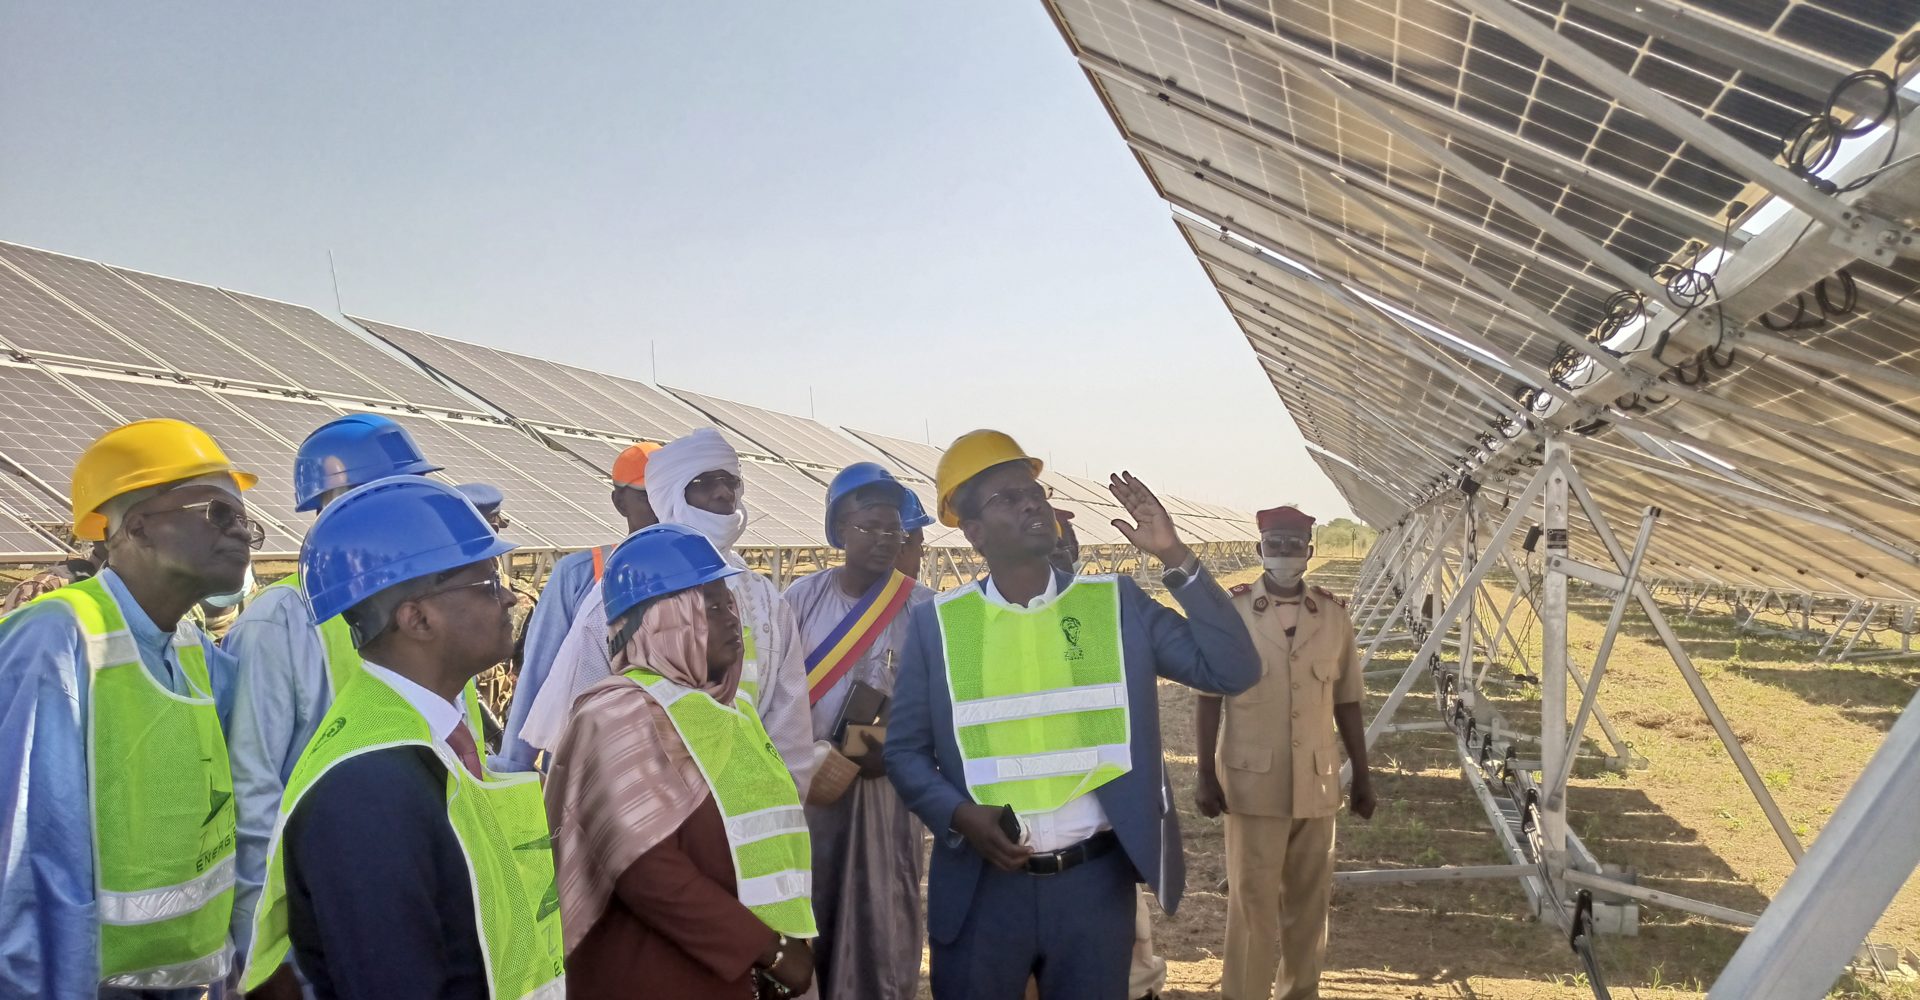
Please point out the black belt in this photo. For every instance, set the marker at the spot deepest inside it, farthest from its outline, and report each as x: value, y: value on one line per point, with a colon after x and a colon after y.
x: 1055, y: 862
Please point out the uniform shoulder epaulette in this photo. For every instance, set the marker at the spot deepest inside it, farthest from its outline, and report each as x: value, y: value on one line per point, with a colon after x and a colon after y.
x: 1239, y: 588
x: 1330, y: 595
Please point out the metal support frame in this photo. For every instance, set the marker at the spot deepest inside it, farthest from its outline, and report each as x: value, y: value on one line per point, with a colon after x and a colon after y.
x: 1828, y: 905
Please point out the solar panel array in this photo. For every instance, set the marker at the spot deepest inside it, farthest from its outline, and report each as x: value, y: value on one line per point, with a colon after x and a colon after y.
x: 1446, y: 227
x: 86, y: 346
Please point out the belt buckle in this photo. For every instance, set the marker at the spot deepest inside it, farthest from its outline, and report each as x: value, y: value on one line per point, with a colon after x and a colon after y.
x: 1045, y: 864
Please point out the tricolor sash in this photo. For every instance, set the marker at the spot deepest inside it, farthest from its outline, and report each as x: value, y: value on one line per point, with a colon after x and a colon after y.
x: 849, y: 640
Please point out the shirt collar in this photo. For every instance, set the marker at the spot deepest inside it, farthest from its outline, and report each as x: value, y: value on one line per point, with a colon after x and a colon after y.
x: 441, y: 715
x: 149, y: 638
x: 1046, y: 597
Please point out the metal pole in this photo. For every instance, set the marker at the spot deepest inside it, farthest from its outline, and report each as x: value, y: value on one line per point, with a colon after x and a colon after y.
x: 1692, y: 676
x: 1844, y: 884
x: 1557, y: 780
x: 1553, y: 648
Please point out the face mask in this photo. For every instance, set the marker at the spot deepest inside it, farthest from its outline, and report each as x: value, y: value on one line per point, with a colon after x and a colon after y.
x: 721, y: 529
x: 1285, y: 570
x: 229, y: 600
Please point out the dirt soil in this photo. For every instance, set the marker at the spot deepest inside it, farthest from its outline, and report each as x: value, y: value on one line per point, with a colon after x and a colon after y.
x: 1687, y: 823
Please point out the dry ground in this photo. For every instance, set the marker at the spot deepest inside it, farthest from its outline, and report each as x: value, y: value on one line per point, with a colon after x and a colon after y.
x: 1687, y: 823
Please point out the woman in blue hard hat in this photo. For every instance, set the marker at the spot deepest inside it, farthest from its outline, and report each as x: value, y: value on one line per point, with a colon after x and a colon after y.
x: 866, y: 844
x: 400, y: 867
x: 679, y: 839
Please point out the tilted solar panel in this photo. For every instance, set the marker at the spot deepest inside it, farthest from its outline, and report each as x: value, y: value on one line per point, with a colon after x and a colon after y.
x: 48, y: 424
x: 786, y: 507
x: 138, y: 317
x: 797, y: 439
x: 21, y: 541
x: 486, y: 373
x: 35, y: 323
x: 914, y: 455
x: 308, y: 367
x: 401, y: 380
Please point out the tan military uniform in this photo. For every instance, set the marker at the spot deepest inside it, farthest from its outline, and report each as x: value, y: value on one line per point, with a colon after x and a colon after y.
x: 1278, y: 761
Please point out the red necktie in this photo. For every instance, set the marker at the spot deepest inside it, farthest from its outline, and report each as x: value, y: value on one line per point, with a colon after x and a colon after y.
x: 461, y: 740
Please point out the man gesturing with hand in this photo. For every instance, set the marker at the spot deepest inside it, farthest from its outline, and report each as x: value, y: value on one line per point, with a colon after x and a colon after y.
x: 1025, y: 731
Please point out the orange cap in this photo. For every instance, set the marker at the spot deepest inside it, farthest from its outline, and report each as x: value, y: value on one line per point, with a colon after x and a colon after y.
x: 630, y: 469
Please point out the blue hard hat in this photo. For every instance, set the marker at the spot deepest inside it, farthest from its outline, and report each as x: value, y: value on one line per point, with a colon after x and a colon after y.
x: 388, y: 532
x: 913, y: 515
x: 854, y: 477
x: 656, y: 561
x: 485, y: 496
x: 352, y: 451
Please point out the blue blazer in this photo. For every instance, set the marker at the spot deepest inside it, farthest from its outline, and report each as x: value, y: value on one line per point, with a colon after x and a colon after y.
x: 1210, y: 650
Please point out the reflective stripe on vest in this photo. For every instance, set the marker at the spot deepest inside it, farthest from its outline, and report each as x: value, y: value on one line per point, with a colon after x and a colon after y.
x: 766, y: 826
x: 1039, y: 696
x: 343, y: 662
x: 161, y: 794
x: 500, y: 823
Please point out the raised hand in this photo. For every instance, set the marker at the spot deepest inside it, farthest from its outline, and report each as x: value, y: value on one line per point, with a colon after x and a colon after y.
x: 1152, y: 531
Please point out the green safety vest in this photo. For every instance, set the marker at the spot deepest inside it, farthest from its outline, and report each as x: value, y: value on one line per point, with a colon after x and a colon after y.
x: 501, y: 824
x: 766, y: 825
x: 1039, y: 696
x: 161, y: 794
x: 343, y: 662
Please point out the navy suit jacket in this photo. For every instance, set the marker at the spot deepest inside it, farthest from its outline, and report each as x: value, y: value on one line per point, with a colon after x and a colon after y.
x: 1211, y: 651
x: 380, y: 902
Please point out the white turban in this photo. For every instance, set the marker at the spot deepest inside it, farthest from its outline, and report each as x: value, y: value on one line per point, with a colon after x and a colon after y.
x: 680, y: 462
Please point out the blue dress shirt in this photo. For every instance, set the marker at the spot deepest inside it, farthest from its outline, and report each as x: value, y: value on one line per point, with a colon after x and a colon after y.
x: 49, y: 929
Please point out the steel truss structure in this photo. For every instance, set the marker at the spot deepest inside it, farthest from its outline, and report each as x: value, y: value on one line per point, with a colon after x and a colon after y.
x: 1567, y: 266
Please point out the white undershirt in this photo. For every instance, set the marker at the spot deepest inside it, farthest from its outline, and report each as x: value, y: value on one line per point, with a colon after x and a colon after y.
x: 441, y: 715
x: 1079, y: 819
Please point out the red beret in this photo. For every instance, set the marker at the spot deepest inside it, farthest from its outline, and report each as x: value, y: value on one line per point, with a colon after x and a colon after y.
x: 1285, y: 519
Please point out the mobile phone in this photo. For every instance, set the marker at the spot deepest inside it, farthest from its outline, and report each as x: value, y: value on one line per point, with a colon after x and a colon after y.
x: 1010, y: 823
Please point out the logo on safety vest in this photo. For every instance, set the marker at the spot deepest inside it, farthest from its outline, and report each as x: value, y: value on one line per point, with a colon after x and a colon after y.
x: 1070, y: 627
x: 333, y: 728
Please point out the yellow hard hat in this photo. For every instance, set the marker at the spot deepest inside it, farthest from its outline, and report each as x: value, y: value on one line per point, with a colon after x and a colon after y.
x: 969, y: 455
x: 138, y: 455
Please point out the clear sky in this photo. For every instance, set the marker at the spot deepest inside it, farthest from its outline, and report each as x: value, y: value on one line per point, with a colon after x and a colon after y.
x: 911, y: 218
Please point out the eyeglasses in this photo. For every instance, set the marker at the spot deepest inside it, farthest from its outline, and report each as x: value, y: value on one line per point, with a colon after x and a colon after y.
x: 497, y: 589
x: 880, y: 534
x: 224, y: 517
x: 1037, y: 493
x: 1285, y: 546
x: 715, y: 481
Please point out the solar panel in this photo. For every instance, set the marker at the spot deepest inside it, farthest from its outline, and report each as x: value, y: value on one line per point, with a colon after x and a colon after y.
x: 560, y: 498
x: 923, y: 459
x: 35, y: 323
x: 781, y: 435
x: 597, y: 452
x: 251, y: 446
x: 48, y: 424
x: 489, y: 374
x: 138, y: 317
x: 307, y: 367
x: 401, y: 380
x: 786, y: 507
x: 20, y: 541
x: 29, y: 501
x: 641, y: 410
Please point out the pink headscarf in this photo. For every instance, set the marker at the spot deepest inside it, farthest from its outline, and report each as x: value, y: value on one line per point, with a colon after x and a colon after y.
x: 672, y: 642
x: 622, y: 781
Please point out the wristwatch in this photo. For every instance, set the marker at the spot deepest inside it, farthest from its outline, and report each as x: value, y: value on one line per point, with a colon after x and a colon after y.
x: 1177, y: 577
